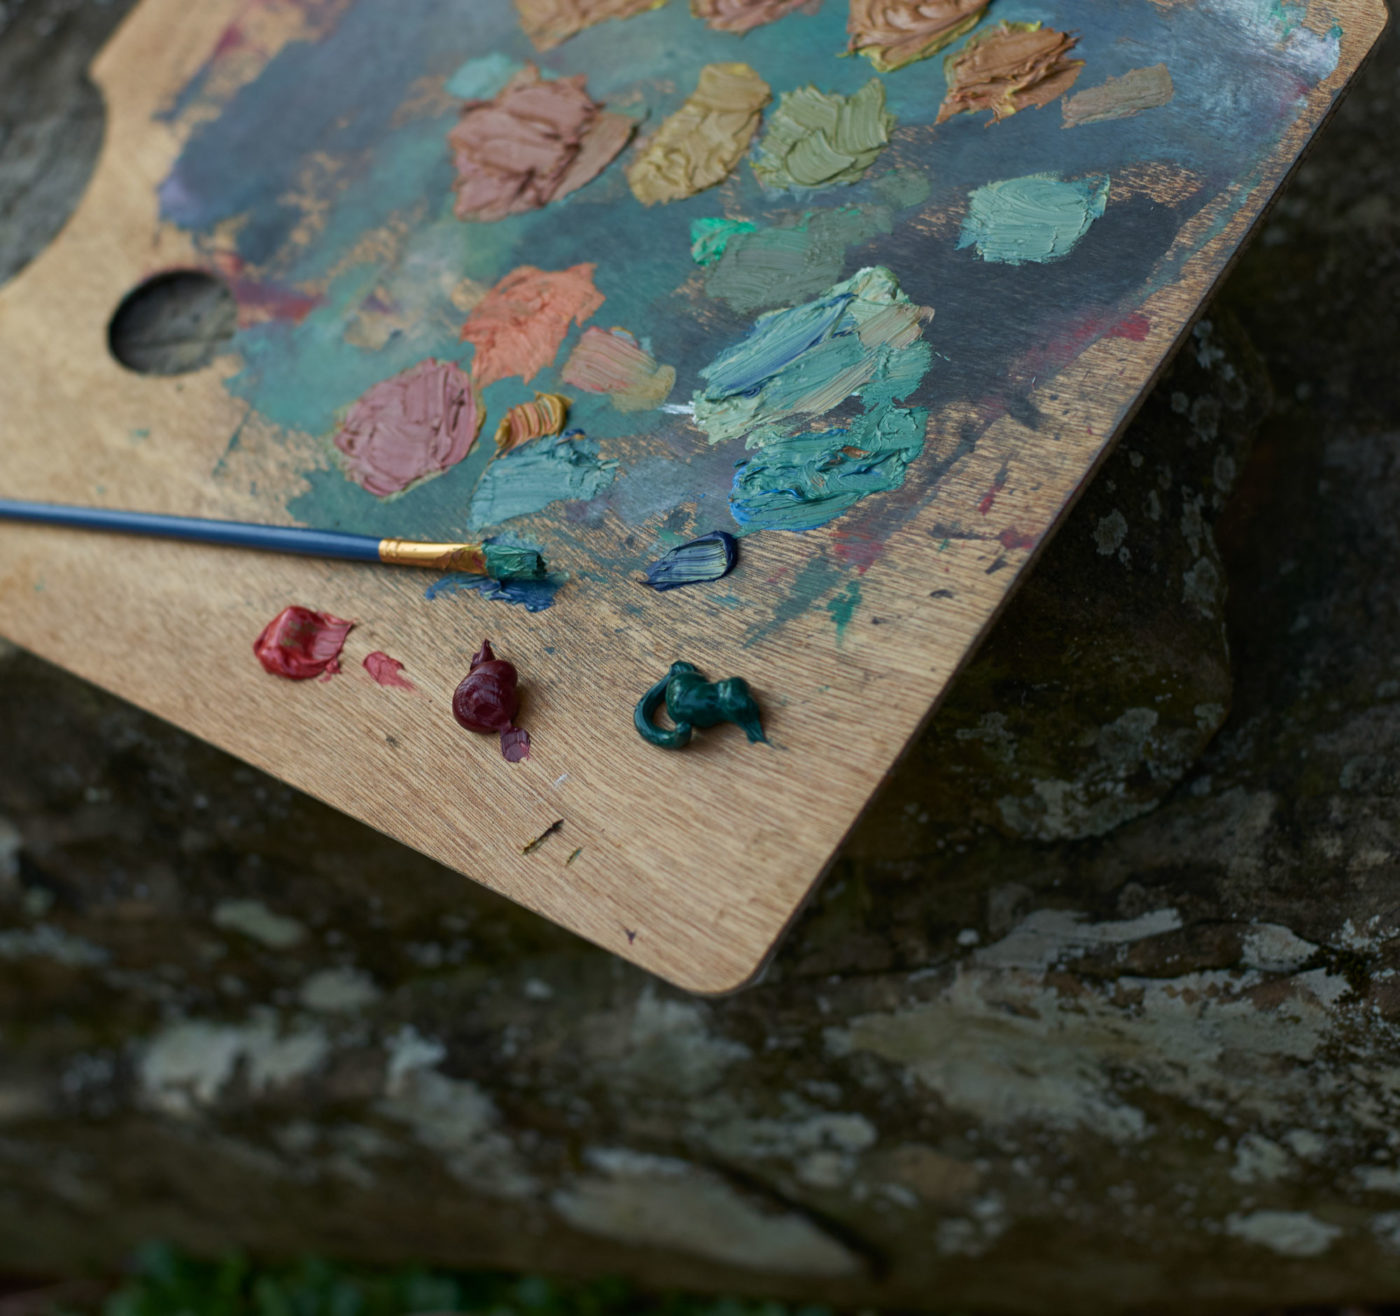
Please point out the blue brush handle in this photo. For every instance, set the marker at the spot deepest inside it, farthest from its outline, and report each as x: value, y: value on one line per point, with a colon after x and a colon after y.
x: 243, y: 534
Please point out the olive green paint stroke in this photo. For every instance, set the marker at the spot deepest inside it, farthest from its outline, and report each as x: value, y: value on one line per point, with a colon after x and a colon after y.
x: 530, y: 478
x: 1120, y: 98
x: 777, y: 266
x: 843, y: 608
x: 710, y: 237
x: 1040, y: 217
x: 815, y: 139
x: 863, y: 339
x: 802, y: 482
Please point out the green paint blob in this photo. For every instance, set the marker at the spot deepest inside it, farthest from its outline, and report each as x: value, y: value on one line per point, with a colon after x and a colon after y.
x: 843, y: 608
x: 530, y: 478
x: 815, y: 139
x: 710, y: 237
x: 511, y: 562
x: 693, y: 702
x: 804, y: 481
x: 862, y: 341
x: 777, y: 266
x: 1038, y: 218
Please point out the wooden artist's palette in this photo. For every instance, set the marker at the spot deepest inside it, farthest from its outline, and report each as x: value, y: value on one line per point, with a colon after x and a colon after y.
x: 298, y: 149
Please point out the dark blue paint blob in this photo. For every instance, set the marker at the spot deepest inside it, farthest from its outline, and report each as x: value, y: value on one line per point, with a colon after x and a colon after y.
x: 711, y: 557
x: 532, y: 595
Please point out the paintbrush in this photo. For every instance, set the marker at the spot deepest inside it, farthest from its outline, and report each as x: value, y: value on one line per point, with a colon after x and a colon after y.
x: 499, y: 561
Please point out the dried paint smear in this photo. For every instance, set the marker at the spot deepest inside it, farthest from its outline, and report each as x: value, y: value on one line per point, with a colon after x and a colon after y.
x: 862, y: 342
x: 762, y: 268
x: 1120, y: 98
x: 548, y: 22
x: 300, y: 643
x: 893, y: 33
x: 532, y: 143
x: 612, y: 361
x: 521, y: 323
x: 702, y: 141
x: 530, y: 478
x: 743, y: 15
x: 817, y: 140
x: 409, y: 427
x: 532, y: 420
x: 1037, y: 218
x: 1012, y: 67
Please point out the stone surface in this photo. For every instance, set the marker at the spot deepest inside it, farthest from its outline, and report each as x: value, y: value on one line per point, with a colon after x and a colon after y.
x: 1156, y: 1069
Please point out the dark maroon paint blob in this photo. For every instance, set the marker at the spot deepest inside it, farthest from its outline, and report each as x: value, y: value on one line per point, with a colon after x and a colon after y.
x: 299, y: 643
x: 489, y: 700
x: 515, y: 744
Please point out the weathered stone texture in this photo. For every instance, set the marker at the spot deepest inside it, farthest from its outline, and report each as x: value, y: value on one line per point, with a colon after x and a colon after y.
x: 1038, y: 1047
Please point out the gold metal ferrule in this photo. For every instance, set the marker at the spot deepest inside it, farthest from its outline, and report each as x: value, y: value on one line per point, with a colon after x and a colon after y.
x: 470, y: 558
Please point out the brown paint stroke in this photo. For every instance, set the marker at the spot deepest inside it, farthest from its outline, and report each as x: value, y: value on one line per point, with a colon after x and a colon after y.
x: 1120, y: 98
x: 519, y: 326
x: 745, y: 15
x: 894, y: 33
x: 1010, y: 68
x: 549, y: 22
x: 537, y: 140
x: 701, y: 142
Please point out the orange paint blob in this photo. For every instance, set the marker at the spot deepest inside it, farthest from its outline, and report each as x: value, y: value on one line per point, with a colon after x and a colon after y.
x: 519, y: 326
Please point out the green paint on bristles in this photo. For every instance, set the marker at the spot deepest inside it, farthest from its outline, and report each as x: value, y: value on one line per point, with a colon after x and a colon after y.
x: 511, y: 562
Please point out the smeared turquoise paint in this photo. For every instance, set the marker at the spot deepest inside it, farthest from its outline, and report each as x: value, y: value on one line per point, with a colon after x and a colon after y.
x: 530, y: 478
x: 1038, y: 218
x: 806, y: 480
x: 777, y: 266
x: 532, y: 595
x: 863, y: 342
x: 709, y: 236
x: 843, y: 607
x: 481, y: 79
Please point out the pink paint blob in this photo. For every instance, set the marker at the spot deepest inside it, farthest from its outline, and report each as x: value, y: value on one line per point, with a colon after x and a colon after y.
x: 386, y: 671
x: 299, y: 644
x: 416, y: 424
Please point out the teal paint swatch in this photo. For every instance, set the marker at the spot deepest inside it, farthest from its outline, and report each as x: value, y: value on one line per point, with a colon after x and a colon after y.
x: 530, y: 478
x: 1036, y: 218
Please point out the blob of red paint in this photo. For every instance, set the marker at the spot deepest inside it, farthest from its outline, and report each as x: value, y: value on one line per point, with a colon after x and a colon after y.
x: 488, y: 700
x: 1011, y: 537
x: 1135, y: 328
x: 300, y: 644
x: 387, y: 671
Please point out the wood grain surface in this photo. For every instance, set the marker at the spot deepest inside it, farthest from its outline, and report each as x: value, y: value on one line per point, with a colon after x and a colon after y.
x: 690, y: 864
